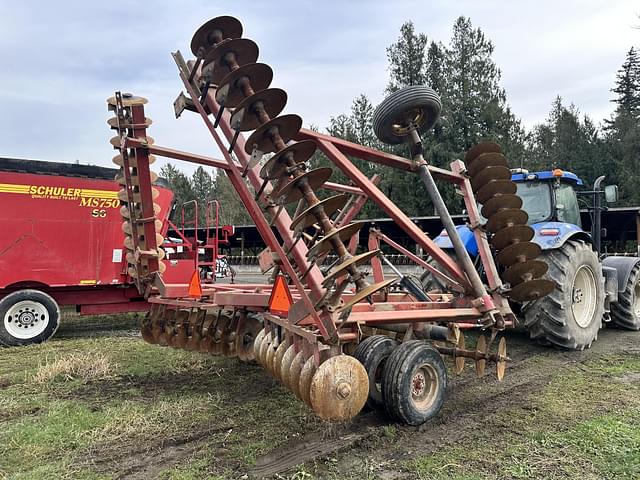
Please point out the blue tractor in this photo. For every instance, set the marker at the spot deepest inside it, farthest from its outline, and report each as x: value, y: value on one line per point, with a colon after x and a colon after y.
x: 589, y: 288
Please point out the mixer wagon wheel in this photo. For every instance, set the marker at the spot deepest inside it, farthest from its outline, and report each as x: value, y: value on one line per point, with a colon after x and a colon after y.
x: 373, y: 353
x: 571, y: 315
x: 26, y: 317
x: 412, y: 107
x: 626, y: 312
x: 414, y: 382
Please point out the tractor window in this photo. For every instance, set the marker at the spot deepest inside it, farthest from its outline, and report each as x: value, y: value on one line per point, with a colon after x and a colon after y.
x: 536, y: 200
x: 567, y: 205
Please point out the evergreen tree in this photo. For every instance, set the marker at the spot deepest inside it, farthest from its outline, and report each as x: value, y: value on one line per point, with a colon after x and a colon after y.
x: 407, y: 60
x: 180, y: 185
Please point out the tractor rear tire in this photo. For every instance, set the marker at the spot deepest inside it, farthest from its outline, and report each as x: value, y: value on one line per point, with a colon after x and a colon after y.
x: 570, y: 316
x: 373, y: 353
x: 418, y: 106
x: 626, y: 312
x: 27, y: 317
x: 414, y: 382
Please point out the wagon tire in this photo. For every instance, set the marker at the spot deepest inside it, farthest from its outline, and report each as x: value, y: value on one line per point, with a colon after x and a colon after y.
x: 373, y: 353
x: 414, y: 382
x: 626, y: 312
x: 418, y: 106
x: 27, y: 317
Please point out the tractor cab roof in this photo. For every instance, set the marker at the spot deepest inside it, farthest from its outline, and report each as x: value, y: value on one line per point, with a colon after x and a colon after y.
x: 522, y: 175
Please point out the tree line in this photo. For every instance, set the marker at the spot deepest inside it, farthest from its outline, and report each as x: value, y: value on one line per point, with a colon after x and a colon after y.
x: 474, y: 109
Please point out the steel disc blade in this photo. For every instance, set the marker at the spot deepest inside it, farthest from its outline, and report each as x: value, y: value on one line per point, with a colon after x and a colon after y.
x: 128, y: 100
x: 477, y: 150
x: 133, y: 163
x: 522, y: 272
x: 292, y: 192
x: 245, y: 116
x: 489, y: 174
x: 531, y: 290
x: 295, y: 153
x: 512, y: 235
x: 339, y: 388
x: 481, y: 349
x: 246, y: 336
x: 324, y: 245
x: 180, y: 338
x: 269, y: 358
x: 135, y: 180
x: 277, y: 359
x: 113, y: 123
x: 287, y: 126
x: 518, y: 252
x: 306, y: 377
x: 292, y: 380
x: 285, y: 365
x: 506, y: 218
x: 459, y: 362
x: 329, y: 205
x: 124, y: 211
x: 341, y: 269
x: 264, y: 346
x: 228, y: 27
x: 116, y: 143
x: 366, y: 292
x: 230, y: 92
x: 500, y: 202
x: 486, y: 160
x: 496, y: 187
x: 195, y: 330
x: 256, y: 344
x: 215, y: 65
x: 501, y: 364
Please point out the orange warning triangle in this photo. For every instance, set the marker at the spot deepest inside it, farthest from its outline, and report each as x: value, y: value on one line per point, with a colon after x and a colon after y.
x: 280, y: 299
x: 195, y: 289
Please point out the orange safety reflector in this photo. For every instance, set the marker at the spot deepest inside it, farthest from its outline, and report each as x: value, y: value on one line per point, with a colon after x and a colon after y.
x: 280, y: 300
x: 195, y: 289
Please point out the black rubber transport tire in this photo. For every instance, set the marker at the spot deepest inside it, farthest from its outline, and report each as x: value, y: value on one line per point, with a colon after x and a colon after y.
x: 626, y: 312
x: 570, y: 316
x: 27, y: 317
x: 414, y: 382
x: 418, y: 104
x: 373, y: 353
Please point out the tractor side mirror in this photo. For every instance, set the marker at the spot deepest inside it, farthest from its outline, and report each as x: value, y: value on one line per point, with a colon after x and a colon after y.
x: 611, y: 193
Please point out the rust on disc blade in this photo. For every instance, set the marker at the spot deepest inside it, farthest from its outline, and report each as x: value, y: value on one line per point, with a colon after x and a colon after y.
x: 343, y: 233
x: 365, y: 292
x: 287, y: 127
x: 501, y: 364
x: 481, y: 349
x: 269, y: 356
x: 230, y: 92
x: 180, y: 338
x: 292, y: 380
x: 147, y: 324
x: 215, y: 62
x: 486, y: 160
x: 167, y: 327
x: 135, y: 180
x: 137, y: 197
x: 306, y: 377
x: 496, y: 187
x: 264, y: 348
x: 195, y: 330
x: 277, y: 361
x: 342, y: 268
x: 133, y: 162
x: 489, y: 174
x: 511, y: 235
x: 113, y: 123
x: 458, y: 360
x: 246, y: 336
x: 285, y: 365
x: 124, y: 211
x: 518, y: 252
x: 128, y: 100
x: 298, y: 152
x: 207, y: 332
x: 292, y: 192
x: 477, y: 150
x: 245, y: 115
x: 256, y: 344
x: 531, y: 290
x: 506, y: 218
x: 500, y: 202
x: 521, y: 272
x: 116, y: 142
x: 330, y: 206
x: 229, y: 27
x: 339, y: 388
x: 127, y: 229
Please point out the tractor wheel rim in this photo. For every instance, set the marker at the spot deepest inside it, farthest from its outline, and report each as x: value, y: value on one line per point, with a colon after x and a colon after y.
x: 636, y: 299
x: 583, y: 296
x: 424, y: 386
x: 26, y: 319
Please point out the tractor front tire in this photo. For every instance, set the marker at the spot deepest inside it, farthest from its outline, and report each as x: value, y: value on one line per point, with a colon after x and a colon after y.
x: 27, y: 317
x: 626, y: 312
x: 570, y: 316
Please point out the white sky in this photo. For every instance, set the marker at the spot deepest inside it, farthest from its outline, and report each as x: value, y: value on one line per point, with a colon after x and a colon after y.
x: 62, y: 59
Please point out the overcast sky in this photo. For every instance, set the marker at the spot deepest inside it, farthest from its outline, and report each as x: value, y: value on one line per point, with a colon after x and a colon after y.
x: 62, y: 59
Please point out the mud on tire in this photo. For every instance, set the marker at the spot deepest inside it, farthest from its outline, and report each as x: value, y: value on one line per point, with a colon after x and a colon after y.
x: 570, y: 316
x: 626, y: 312
x: 372, y: 353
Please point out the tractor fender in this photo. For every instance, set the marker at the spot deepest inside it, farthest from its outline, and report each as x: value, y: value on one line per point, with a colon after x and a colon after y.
x: 623, y: 267
x: 552, y: 235
x: 466, y: 235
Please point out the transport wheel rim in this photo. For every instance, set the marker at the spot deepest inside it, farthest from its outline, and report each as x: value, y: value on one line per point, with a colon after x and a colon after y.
x: 636, y: 299
x: 583, y: 296
x: 424, y: 386
x: 26, y: 319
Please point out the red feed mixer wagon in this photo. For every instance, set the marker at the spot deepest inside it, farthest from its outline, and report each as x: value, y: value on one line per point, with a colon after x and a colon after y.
x: 62, y: 244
